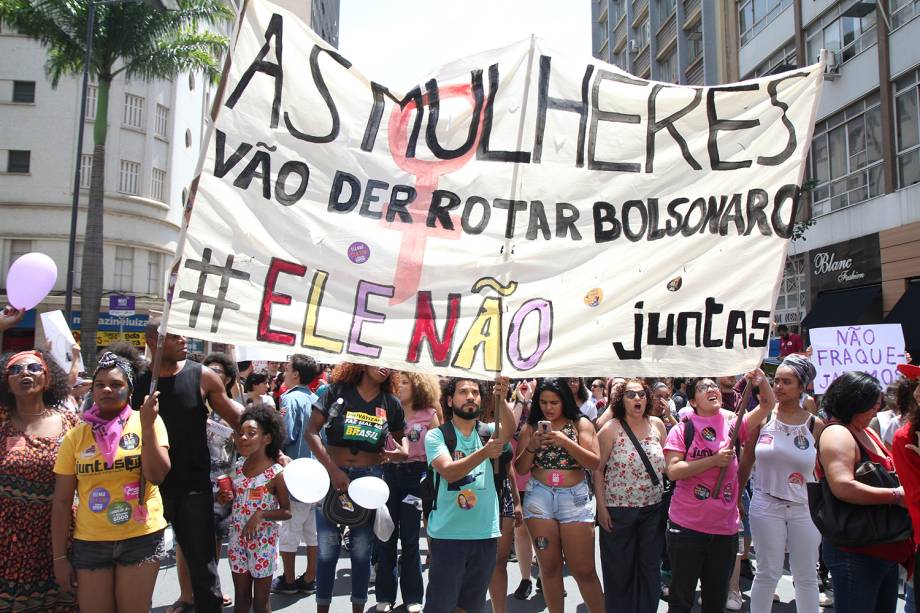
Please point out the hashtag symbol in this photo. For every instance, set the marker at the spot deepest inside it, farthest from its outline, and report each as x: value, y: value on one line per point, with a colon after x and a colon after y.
x: 206, y: 268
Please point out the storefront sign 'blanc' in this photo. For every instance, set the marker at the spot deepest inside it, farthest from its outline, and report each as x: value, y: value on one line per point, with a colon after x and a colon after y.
x: 519, y: 212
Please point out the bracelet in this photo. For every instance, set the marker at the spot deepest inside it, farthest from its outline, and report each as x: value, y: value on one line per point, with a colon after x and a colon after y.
x: 898, y: 493
x: 64, y: 557
x: 530, y: 450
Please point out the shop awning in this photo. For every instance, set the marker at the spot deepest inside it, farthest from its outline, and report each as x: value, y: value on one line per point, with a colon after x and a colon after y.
x: 860, y: 305
x: 907, y: 313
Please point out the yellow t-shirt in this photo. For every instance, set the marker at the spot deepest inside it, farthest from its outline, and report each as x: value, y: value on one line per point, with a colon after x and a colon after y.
x: 108, y: 497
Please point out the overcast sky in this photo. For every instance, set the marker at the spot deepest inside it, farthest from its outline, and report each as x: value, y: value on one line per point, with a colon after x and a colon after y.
x: 397, y: 42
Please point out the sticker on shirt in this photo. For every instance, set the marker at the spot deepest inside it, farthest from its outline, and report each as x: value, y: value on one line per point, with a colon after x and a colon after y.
x: 88, y: 453
x: 132, y: 491
x: 801, y: 441
x: 140, y: 514
x: 466, y: 500
x: 458, y: 455
x: 98, y: 500
x: 258, y: 493
x: 796, y: 479
x: 119, y: 513
x: 701, y: 492
x: 765, y: 439
x: 381, y: 412
x: 709, y: 433
x: 129, y: 441
x: 555, y: 478
x: 15, y: 443
x: 728, y: 493
x: 415, y: 433
x: 363, y: 427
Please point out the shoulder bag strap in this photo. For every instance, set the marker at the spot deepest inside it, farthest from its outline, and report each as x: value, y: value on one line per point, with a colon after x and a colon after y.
x: 642, y: 455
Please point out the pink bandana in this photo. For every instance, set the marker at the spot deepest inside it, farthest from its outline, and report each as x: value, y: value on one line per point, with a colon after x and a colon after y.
x: 107, y: 432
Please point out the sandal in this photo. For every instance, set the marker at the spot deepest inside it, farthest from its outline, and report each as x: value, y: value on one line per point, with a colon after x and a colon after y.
x: 180, y: 606
x: 227, y: 601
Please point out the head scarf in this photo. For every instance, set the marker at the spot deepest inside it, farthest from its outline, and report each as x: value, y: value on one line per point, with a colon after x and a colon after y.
x: 803, y: 368
x: 112, y: 360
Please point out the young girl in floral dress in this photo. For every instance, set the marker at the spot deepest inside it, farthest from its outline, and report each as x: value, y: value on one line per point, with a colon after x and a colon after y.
x: 260, y: 499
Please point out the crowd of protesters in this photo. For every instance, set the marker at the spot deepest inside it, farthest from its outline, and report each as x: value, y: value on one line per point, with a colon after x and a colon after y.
x: 667, y: 475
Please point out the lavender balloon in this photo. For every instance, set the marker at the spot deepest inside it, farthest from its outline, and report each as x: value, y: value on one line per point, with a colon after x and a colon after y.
x: 29, y: 280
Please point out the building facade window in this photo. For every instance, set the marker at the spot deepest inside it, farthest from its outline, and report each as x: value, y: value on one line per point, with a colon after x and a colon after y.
x: 134, y: 111
x: 755, y: 15
x: 157, y: 181
x: 19, y: 248
x: 791, y: 301
x: 161, y: 121
x: 18, y: 161
x: 846, y: 157
x: 907, y: 128
x: 694, y: 46
x: 665, y: 8
x: 604, y: 29
x: 903, y: 11
x: 24, y: 91
x: 124, y: 269
x: 92, y: 94
x: 845, y: 36
x: 643, y: 34
x: 668, y: 68
x: 617, y: 11
x: 154, y: 273
x: 784, y: 57
x: 86, y: 170
x: 127, y: 178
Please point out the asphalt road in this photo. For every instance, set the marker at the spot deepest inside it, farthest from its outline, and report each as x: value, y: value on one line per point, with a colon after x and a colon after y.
x: 167, y: 590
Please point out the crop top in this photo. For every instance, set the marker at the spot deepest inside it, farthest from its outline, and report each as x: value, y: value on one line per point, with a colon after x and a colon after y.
x: 554, y: 457
x: 357, y: 424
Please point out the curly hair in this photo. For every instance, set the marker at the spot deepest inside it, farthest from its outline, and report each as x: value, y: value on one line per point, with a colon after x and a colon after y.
x: 227, y: 364
x: 616, y: 403
x: 850, y: 394
x: 902, y: 392
x: 351, y: 373
x: 58, y: 388
x: 426, y: 390
x: 130, y: 353
x: 559, y: 386
x: 269, y: 422
x: 450, y: 388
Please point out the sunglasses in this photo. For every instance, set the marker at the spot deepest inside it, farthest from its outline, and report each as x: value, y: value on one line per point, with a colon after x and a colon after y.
x: 32, y: 367
x: 597, y: 386
x: 633, y: 394
x: 702, y: 387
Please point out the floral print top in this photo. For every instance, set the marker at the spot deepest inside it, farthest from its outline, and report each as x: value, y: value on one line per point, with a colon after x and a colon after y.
x: 251, y: 495
x: 626, y: 482
x: 554, y: 457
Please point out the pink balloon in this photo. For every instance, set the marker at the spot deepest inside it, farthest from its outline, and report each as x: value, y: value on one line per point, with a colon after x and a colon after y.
x: 29, y: 280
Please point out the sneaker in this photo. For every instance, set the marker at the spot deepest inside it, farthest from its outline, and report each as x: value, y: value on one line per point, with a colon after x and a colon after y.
x: 524, y: 590
x: 346, y: 540
x: 747, y: 569
x: 733, y: 602
x: 826, y: 599
x: 540, y: 588
x: 414, y: 608
x: 304, y: 586
x: 512, y: 558
x: 280, y: 586
x: 373, y: 578
x: 384, y: 607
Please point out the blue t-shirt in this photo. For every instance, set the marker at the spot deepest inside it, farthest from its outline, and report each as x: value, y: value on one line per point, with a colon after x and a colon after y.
x: 468, y: 508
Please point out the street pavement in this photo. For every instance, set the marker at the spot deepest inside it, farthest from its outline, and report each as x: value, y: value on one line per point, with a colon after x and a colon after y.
x: 167, y: 590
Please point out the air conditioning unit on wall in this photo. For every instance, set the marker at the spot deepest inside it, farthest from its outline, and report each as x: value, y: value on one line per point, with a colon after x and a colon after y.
x: 831, y: 67
x: 633, y: 46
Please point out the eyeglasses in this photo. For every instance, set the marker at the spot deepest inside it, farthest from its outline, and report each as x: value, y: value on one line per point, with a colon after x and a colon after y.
x: 32, y: 367
x: 702, y: 387
x: 633, y: 394
x: 597, y: 386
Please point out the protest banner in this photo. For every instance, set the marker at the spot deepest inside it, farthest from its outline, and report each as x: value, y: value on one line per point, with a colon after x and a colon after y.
x: 58, y: 333
x: 876, y: 350
x: 519, y: 212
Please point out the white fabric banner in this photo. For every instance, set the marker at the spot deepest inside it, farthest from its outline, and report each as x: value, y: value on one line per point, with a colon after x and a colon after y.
x: 519, y: 212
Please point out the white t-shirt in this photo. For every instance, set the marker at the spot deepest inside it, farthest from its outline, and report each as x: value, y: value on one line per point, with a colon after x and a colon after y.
x: 589, y: 408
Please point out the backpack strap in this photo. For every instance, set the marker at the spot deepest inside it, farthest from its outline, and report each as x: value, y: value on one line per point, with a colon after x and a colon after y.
x: 812, y: 420
x: 450, y: 441
x: 689, y: 432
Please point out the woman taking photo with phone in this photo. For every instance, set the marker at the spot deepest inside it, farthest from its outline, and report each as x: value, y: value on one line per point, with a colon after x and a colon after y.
x: 556, y: 446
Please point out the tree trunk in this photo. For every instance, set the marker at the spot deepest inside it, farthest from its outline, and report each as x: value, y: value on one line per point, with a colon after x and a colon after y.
x: 92, y: 273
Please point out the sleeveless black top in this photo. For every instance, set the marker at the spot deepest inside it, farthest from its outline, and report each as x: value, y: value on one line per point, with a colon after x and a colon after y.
x: 185, y: 416
x: 357, y: 424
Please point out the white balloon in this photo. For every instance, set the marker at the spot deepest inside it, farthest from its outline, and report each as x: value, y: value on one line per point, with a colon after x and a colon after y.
x: 369, y: 492
x: 306, y: 480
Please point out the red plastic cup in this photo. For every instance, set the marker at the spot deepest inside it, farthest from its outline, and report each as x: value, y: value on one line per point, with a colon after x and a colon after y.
x: 225, y: 484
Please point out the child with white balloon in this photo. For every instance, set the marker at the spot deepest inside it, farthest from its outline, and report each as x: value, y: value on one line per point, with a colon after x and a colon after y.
x: 260, y: 499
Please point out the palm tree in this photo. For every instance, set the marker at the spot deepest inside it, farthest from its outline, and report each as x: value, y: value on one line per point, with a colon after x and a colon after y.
x: 130, y: 38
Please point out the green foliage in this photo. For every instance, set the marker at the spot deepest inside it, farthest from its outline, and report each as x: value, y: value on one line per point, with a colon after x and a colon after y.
x: 801, y: 227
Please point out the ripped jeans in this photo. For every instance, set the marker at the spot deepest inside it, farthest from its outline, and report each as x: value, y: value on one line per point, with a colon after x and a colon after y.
x: 564, y: 504
x: 329, y: 541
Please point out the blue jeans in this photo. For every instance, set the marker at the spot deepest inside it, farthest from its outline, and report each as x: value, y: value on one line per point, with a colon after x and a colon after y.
x: 329, y: 541
x: 403, y: 480
x: 862, y: 584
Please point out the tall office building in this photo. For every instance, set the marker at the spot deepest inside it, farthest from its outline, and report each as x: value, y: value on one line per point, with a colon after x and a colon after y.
x: 154, y: 142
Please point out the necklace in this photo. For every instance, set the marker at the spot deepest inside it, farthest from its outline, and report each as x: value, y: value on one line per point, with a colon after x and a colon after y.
x: 44, y: 411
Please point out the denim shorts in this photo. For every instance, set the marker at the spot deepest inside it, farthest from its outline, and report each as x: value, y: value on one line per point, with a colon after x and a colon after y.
x: 95, y: 555
x: 564, y: 504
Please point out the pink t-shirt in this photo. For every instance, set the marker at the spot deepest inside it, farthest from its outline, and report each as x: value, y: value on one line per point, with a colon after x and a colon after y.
x: 416, y: 429
x: 693, y: 504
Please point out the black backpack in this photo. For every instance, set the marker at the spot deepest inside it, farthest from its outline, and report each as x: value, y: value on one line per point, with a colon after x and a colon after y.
x: 432, y: 480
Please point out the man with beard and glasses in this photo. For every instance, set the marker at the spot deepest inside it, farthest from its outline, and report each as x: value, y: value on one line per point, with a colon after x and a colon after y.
x: 464, y: 523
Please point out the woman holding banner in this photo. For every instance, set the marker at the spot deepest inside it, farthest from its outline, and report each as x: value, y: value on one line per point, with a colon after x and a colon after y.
x: 32, y: 425
x: 703, y: 523
x: 784, y: 454
x: 359, y: 414
x: 629, y: 485
x: 556, y: 446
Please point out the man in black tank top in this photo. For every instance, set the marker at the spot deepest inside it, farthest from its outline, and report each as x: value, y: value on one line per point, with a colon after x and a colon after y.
x: 184, y: 387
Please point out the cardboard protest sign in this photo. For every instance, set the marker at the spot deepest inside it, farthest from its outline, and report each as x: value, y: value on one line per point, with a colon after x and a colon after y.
x: 876, y: 350
x: 58, y: 333
x: 519, y: 212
